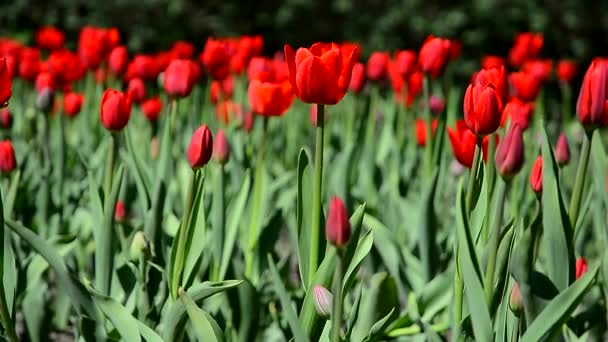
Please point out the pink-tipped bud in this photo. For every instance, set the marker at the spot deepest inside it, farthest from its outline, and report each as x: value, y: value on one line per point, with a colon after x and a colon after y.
x: 337, y: 227
x: 516, y: 303
x: 581, y: 267
x: 536, y: 176
x: 6, y: 119
x: 562, y: 150
x: 437, y: 104
x: 323, y: 300
x: 221, y: 148
x: 510, y: 153
x: 200, y: 148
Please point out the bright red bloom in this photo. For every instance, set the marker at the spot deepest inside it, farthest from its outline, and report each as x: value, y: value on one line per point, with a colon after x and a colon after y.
x: 377, y: 65
x: 144, y: 67
x: 65, y: 67
x: 7, y: 157
x: 270, y: 99
x: 421, y: 130
x: 322, y: 73
x: 492, y: 61
x: 436, y: 104
x: 44, y: 80
x: 222, y: 89
x: 498, y: 78
x: 527, y: 45
x: 221, y: 147
x: 414, y: 87
x: 261, y: 69
x: 519, y: 112
x: 49, y: 38
x: 182, y: 50
x: 581, y: 267
x: 119, y: 212
x: 405, y: 63
x: 463, y: 143
x: 357, y: 80
x: 455, y: 49
x: 592, y: 104
x: 337, y: 226
x: 179, y: 78
x: 118, y: 59
x: 5, y: 84
x: 200, y: 148
x: 536, y: 176
x: 29, y: 64
x: 72, y: 102
x: 6, y: 118
x: 525, y: 86
x: 152, y: 108
x: 93, y: 46
x: 136, y: 90
x: 562, y: 150
x: 115, y: 110
x: 566, y: 70
x: 510, y: 152
x: 540, y: 68
x: 216, y: 59
x: 11, y: 50
x: 482, y: 109
x: 434, y: 56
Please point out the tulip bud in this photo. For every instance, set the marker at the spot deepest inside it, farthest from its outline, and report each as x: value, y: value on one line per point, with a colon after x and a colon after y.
x: 591, y: 104
x: 136, y: 90
x: 482, y: 109
x: 248, y: 122
x: 72, y: 102
x: 221, y: 148
x: 562, y: 150
x: 323, y: 300
x: 152, y: 108
x: 6, y: 119
x: 200, y: 148
x: 115, y: 110
x: 581, y: 267
x: 337, y: 227
x: 120, y: 212
x: 436, y: 104
x: 7, y: 157
x: 139, y: 246
x: 510, y: 153
x: 516, y: 302
x: 536, y: 176
x: 45, y: 100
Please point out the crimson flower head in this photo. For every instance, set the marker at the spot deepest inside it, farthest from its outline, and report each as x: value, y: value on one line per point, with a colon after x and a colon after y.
x: 200, y: 148
x: 7, y: 157
x: 221, y: 148
x: 492, y: 61
x: 527, y: 46
x: 136, y: 90
x: 510, y: 153
x: 44, y: 80
x: 49, y: 38
x: 482, y: 109
x: 144, y: 67
x: 566, y: 70
x: 120, y: 212
x: 405, y: 62
x: 115, y: 110
x: 498, y: 78
x: 539, y: 68
x: 518, y: 112
x: 421, y: 130
x: 179, y: 78
x: 464, y: 142
x: 377, y: 65
x: 525, y: 86
x: 337, y: 226
x: 592, y: 104
x: 118, y: 59
x: 5, y: 84
x: 536, y: 176
x: 581, y: 267
x: 65, y: 67
x: 436, y: 104
x: 322, y: 73
x: 72, y: 102
x: 152, y: 108
x: 270, y: 99
x: 182, y: 50
x: 93, y: 46
x: 562, y: 150
x: 434, y: 56
x: 6, y: 118
x: 29, y: 64
x: 216, y: 59
x: 357, y: 80
x: 222, y: 89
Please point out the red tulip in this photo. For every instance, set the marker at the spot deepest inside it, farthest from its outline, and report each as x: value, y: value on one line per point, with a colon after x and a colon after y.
x: 144, y: 67
x: 270, y: 99
x: 491, y: 61
x: 72, y: 102
x: 200, y: 148
x: 525, y: 86
x: 115, y: 110
x: 29, y: 64
x: 536, y: 176
x: 221, y: 148
x: 226, y: 109
x: 357, y: 80
x: 566, y: 70
x: 322, y: 73
x: 216, y: 59
x: 119, y: 212
x: 436, y: 104
x: 463, y: 143
x: 7, y: 157
x: 182, y: 50
x: 11, y: 51
x: 44, y: 80
x: 482, y: 109
x: 539, y: 68
x: 527, y: 46
x: 49, y: 38
x: 581, y: 267
x: 6, y: 118
x: 510, y: 153
x: 118, y: 59
x: 414, y: 87
x: 5, y: 84
x: 377, y: 66
x: 337, y: 227
x: 592, y: 104
x: 152, y: 108
x: 405, y: 62
x: 519, y: 112
x: 261, y: 69
x: 421, y: 130
x: 562, y: 150
x: 93, y: 46
x: 498, y: 78
x: 65, y: 67
x: 434, y: 56
x: 222, y: 89
x: 179, y: 78
x: 136, y: 90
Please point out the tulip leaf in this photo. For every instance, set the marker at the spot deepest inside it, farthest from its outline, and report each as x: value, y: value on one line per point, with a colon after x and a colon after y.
x: 205, y: 326
x: 378, y: 301
x: 138, y: 170
x: 427, y: 230
x: 125, y: 324
x: 363, y: 248
x: 304, y: 207
x: 600, y: 165
x: 236, y: 213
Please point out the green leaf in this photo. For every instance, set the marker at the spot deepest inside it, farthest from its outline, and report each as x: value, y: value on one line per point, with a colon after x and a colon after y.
x: 550, y: 320
x: 125, y: 324
x: 426, y: 230
x: 236, y: 213
x: 205, y: 326
x: 197, y: 236
x: 363, y: 248
x: 378, y: 301
x: 138, y: 170
x: 304, y: 203
x: 377, y: 330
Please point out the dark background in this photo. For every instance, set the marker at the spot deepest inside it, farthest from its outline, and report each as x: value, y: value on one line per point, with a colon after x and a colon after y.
x: 572, y: 28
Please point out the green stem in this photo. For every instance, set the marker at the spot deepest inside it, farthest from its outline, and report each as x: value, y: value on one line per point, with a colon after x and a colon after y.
x: 112, y: 151
x: 472, y: 176
x: 458, y: 300
x: 336, y: 314
x: 490, y: 172
x: 219, y: 230
x: 5, y: 318
x: 317, y: 196
x: 428, y: 151
x: 143, y: 303
x: 579, y: 184
x: 61, y: 164
x: 257, y: 193
x: 494, y: 240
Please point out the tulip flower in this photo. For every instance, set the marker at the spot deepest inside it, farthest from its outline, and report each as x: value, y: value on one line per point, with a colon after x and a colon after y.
x: 93, y: 46
x: 525, y: 86
x: 492, y: 61
x: 592, y: 100
x: 357, y: 81
x: 136, y: 90
x: 323, y: 301
x: 65, y: 68
x: 6, y: 118
x: 182, y: 50
x: 119, y: 212
x: 221, y: 89
x: 200, y: 148
x: 144, y: 67
x: 221, y: 148
x: 516, y: 302
x: 562, y: 150
x: 581, y: 267
x: 536, y: 176
x: 216, y: 59
x: 377, y: 66
x: 115, y: 110
x: 463, y: 143
x: 421, y: 130
x: 118, y: 59
x: 29, y: 64
x: 518, y: 112
x: 498, y: 78
x: 539, y: 68
x: 337, y: 226
x: 44, y: 80
x: 566, y: 70
x: 405, y: 63
x: 7, y: 157
x: 179, y: 78
x: 270, y: 99
x: 482, y: 109
x: 49, y: 38
x: 510, y: 153
x: 436, y: 104
x: 322, y: 73
x: 72, y: 102
x: 152, y: 108
x: 5, y: 84
x: 434, y: 56
x: 527, y: 46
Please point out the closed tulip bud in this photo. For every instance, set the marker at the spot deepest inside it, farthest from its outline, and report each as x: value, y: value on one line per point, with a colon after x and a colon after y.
x: 536, y: 176
x: 200, y: 148
x: 136, y: 90
x: 498, y: 78
x: 322, y: 73
x: 7, y: 157
x: 337, y: 227
x: 179, y: 78
x: 566, y: 70
x: 581, y: 267
x: 527, y: 46
x: 516, y: 302
x: 539, y: 68
x: 592, y: 99
x: 357, y: 81
x: 405, y: 63
x: 482, y: 109
x: 152, y: 108
x: 323, y: 301
x: 139, y: 246
x: 216, y: 59
x: 491, y: 61
x: 421, y: 130
x: 115, y: 110
x: 377, y: 65
x: 562, y: 150
x: 72, y: 102
x: 6, y: 118
x: 45, y: 100
x: 118, y: 59
x: 510, y: 153
x: 119, y: 212
x: 44, y: 80
x: 437, y: 104
x: 221, y: 147
x: 5, y: 84
x: 434, y: 56
x: 49, y: 38
x: 525, y: 86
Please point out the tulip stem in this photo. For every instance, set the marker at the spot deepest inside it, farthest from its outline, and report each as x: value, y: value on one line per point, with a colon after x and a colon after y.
x: 143, y: 296
x: 112, y: 151
x: 490, y: 173
x: 46, y: 173
x: 61, y: 164
x: 219, y: 230
x: 579, y: 184
x: 494, y: 240
x: 458, y: 299
x: 472, y: 176
x: 5, y: 318
x: 428, y: 151
x: 336, y: 314
x: 316, y: 201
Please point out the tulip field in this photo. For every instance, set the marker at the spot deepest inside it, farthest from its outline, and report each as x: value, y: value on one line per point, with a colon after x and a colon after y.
x: 208, y: 192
